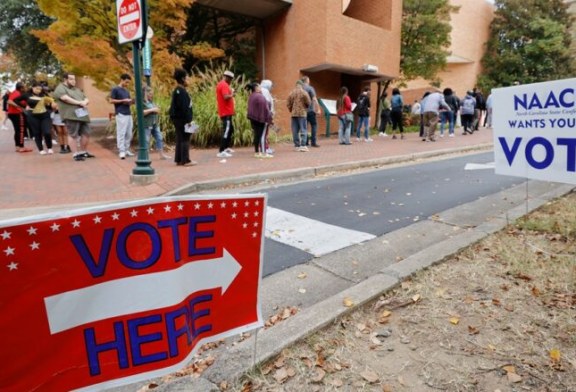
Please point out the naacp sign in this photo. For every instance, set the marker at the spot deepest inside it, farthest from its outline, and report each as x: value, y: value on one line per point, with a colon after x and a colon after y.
x: 107, y: 296
x: 534, y: 131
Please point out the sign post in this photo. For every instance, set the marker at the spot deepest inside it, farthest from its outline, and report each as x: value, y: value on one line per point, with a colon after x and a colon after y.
x: 132, y: 22
x: 107, y: 296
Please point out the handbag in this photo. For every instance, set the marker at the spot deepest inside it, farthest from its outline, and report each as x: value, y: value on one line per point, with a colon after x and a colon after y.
x: 191, y: 127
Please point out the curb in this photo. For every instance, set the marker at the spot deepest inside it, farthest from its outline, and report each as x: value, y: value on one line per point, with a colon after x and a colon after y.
x: 312, y: 172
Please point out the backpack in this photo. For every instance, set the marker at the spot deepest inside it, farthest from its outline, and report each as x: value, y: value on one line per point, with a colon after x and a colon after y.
x: 362, y: 105
x: 468, y: 105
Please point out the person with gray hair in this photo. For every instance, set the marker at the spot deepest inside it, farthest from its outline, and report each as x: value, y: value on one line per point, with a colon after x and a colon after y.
x: 151, y: 124
x: 266, y: 86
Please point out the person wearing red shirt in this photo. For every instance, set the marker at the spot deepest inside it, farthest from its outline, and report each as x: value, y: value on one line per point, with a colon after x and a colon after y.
x: 344, y: 111
x: 225, y: 101
x: 16, y: 105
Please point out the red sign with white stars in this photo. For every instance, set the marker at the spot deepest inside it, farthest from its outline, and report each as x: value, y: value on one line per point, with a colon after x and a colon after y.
x: 108, y: 296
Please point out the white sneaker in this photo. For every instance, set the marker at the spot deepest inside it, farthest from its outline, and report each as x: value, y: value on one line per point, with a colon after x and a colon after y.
x: 42, y: 152
x: 229, y: 151
x: 129, y: 153
x: 303, y: 149
x: 357, y: 139
x: 267, y: 156
x: 368, y: 140
x: 441, y: 135
x: 382, y: 134
x: 50, y: 151
x: 223, y: 154
x: 451, y: 135
x: 122, y: 155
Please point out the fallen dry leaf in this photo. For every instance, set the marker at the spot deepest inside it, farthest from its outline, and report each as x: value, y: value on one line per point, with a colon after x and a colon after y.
x: 416, y: 298
x: 337, y: 383
x: 455, y: 320
x: 535, y: 291
x: 555, y: 355
x: 509, y: 368
x: 370, y: 376
x: 302, y: 275
x: 281, y: 375
x: 514, y: 378
x: 319, y: 375
x: 473, y: 330
x: 348, y: 302
x: 302, y: 291
x: 386, y: 388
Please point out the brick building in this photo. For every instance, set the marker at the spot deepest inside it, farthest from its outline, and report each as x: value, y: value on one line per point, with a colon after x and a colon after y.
x: 336, y: 43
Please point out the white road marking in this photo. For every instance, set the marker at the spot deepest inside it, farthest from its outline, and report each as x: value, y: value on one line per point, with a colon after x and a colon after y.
x: 480, y: 166
x: 309, y: 235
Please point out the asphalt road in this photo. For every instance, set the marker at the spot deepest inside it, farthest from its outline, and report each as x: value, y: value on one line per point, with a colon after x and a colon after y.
x: 379, y: 201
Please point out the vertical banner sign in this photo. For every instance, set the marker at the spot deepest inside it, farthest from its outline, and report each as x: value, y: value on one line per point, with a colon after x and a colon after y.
x: 129, y: 16
x: 534, y: 131
x: 112, y: 295
x: 147, y: 58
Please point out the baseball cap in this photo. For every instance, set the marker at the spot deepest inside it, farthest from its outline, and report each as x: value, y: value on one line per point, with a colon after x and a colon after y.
x: 229, y: 74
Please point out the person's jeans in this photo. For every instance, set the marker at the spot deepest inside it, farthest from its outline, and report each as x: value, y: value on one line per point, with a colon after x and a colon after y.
x: 299, y: 131
x: 311, y: 118
x: 447, y: 117
x: 363, y: 121
x: 344, y: 130
x: 155, y: 132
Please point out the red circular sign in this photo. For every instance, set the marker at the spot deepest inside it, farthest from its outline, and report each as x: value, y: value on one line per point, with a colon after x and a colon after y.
x: 129, y: 19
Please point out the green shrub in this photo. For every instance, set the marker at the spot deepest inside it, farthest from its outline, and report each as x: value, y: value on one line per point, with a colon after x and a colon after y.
x: 203, y: 93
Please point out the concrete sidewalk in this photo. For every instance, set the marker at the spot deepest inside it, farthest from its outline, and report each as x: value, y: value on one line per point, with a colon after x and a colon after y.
x: 35, y: 183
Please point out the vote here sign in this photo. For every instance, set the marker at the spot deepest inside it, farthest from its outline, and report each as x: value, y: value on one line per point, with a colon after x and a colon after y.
x: 108, y: 296
x: 534, y: 131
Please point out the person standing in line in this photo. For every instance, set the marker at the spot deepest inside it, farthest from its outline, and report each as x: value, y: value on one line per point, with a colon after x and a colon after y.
x: 345, y: 116
x: 266, y: 86
x: 39, y: 108
x: 225, y: 101
x: 384, y: 114
x: 61, y: 131
x: 181, y: 114
x: 120, y: 97
x: 448, y: 116
x: 16, y: 105
x: 480, y: 107
x: 313, y: 110
x: 72, y: 105
x: 298, y: 102
x: 151, y: 126
x: 488, y: 119
x: 5, y: 109
x: 259, y: 115
x: 397, y: 104
x: 467, y: 111
x: 363, y: 110
x: 430, y: 107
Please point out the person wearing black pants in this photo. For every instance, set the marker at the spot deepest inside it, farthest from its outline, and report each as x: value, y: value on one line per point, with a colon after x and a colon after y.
x: 259, y: 115
x: 38, y: 117
x: 181, y: 114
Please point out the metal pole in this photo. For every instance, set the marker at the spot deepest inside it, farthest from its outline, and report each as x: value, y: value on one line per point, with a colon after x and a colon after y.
x: 143, y: 159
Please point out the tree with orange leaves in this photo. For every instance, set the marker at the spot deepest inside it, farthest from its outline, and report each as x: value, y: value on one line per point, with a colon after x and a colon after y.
x: 84, y: 37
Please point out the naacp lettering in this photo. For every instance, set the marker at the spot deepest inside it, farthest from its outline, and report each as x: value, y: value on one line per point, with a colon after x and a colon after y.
x: 98, y: 268
x: 528, y: 101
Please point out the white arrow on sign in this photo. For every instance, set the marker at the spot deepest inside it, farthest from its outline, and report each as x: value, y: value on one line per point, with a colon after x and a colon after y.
x: 139, y: 293
x: 480, y: 166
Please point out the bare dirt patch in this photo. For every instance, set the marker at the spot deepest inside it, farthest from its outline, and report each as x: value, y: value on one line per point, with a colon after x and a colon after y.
x: 499, y: 316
